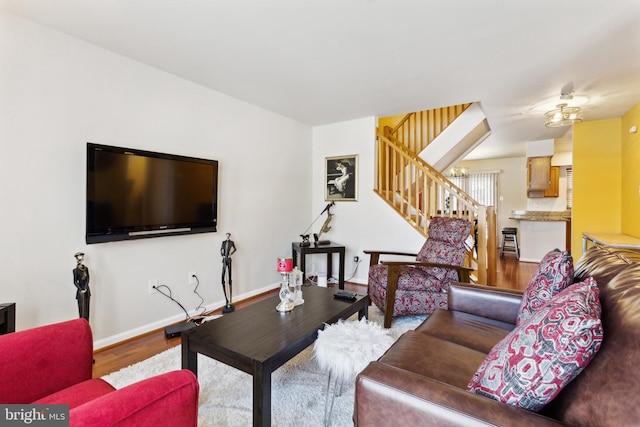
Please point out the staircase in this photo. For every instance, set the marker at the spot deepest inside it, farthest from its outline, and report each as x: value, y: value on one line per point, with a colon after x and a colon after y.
x: 418, y: 192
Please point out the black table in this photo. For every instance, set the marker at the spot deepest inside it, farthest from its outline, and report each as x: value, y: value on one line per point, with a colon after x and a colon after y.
x: 258, y: 339
x: 329, y: 249
x: 7, y: 318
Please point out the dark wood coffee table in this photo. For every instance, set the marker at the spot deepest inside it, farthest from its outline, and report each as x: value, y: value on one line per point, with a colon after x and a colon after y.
x: 258, y: 339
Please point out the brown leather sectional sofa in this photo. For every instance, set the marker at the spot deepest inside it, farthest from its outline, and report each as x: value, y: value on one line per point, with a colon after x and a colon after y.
x: 421, y: 380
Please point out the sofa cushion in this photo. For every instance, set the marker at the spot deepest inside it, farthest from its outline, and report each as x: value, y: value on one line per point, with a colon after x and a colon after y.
x: 56, y: 356
x: 453, y: 231
x: 469, y: 330
x: 409, y: 278
x: 409, y: 302
x: 445, y: 245
x: 532, y: 364
x: 434, y: 358
x: 554, y: 273
x: 78, y: 394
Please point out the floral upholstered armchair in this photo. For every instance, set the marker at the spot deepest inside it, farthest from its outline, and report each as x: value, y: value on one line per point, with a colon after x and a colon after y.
x: 420, y: 287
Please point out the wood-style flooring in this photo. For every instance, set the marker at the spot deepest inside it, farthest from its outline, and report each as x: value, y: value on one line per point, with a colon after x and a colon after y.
x: 511, y: 274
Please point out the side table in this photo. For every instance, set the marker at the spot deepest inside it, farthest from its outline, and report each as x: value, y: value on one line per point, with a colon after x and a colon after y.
x: 329, y: 249
x: 7, y: 318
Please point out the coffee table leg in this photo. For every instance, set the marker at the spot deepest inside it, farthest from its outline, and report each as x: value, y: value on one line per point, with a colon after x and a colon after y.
x: 364, y: 311
x: 261, y: 394
x: 189, y: 358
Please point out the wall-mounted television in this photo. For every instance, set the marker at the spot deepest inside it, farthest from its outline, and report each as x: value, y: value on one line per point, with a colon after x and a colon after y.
x: 134, y: 194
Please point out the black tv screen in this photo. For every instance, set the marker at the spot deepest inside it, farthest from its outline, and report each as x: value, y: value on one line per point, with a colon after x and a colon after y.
x: 135, y: 194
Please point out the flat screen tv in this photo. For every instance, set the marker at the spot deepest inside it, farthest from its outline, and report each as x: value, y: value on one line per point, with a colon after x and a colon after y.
x: 134, y: 194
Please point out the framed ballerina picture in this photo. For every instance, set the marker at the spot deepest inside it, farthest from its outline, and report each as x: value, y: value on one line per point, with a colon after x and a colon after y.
x: 341, y: 178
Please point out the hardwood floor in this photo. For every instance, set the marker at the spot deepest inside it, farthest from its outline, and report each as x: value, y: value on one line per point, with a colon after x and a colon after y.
x: 511, y: 274
x: 514, y: 274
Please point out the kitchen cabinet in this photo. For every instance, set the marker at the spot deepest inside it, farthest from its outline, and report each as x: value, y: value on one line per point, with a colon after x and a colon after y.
x: 542, y: 178
x: 554, y: 180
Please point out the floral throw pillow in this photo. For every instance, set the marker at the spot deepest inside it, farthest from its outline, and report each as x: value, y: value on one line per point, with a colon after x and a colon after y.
x: 554, y: 273
x: 531, y: 365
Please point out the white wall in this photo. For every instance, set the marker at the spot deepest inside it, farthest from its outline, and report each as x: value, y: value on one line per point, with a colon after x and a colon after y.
x: 56, y: 94
x: 368, y: 223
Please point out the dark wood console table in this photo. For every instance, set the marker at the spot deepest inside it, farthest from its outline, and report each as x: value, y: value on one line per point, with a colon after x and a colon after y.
x: 329, y: 249
x: 7, y: 318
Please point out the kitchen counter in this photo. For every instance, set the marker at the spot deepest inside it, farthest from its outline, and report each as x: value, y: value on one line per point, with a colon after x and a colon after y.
x: 542, y: 231
x: 541, y: 215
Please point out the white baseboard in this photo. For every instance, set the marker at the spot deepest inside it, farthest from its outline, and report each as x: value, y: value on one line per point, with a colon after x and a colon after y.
x: 132, y: 333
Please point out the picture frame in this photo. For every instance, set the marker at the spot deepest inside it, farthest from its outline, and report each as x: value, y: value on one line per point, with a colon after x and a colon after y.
x: 341, y: 178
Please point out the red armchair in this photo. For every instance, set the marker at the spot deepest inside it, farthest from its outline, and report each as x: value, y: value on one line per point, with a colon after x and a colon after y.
x: 420, y: 287
x: 52, y: 365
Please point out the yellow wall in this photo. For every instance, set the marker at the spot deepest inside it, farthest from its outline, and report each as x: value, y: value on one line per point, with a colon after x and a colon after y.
x: 630, y: 168
x: 390, y: 121
x: 597, y: 149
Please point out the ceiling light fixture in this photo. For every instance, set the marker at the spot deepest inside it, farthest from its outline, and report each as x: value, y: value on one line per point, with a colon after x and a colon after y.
x: 563, y: 115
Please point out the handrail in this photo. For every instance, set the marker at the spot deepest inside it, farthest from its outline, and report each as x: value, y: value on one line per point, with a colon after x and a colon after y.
x: 419, y: 192
x: 395, y: 130
x: 418, y: 129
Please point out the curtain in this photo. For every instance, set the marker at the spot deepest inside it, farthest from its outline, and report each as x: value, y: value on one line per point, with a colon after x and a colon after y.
x: 569, y: 188
x: 481, y: 186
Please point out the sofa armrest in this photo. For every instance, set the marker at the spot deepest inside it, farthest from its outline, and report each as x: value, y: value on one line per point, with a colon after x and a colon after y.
x: 40, y: 361
x: 493, y: 303
x: 389, y: 396
x: 169, y: 399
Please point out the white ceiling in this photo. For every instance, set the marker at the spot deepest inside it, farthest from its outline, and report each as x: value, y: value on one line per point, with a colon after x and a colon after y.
x: 325, y: 61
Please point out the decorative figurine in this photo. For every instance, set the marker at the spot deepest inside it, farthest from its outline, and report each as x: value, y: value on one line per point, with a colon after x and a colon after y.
x: 227, y: 249
x: 325, y: 227
x: 284, y: 267
x: 81, y: 280
x: 295, y: 285
x: 305, y: 240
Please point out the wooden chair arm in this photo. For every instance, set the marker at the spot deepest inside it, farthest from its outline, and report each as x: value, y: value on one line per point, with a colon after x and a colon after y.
x: 392, y: 281
x: 463, y: 272
x: 375, y: 255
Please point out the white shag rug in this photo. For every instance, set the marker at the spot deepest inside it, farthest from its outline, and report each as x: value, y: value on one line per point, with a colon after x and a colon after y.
x: 297, y: 388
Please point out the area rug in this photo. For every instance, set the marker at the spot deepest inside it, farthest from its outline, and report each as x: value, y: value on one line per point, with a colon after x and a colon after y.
x: 298, y: 387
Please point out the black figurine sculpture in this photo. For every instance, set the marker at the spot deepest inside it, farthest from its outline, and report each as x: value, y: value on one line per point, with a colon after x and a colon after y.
x: 226, y: 250
x: 81, y: 280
